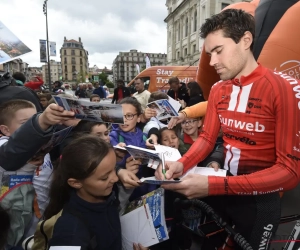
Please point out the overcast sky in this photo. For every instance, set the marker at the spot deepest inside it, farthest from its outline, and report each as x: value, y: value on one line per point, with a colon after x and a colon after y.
x: 105, y: 26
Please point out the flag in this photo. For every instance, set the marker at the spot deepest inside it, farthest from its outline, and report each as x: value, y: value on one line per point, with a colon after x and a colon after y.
x: 137, y: 68
x: 148, y: 64
x: 52, y: 48
x: 43, y: 53
x: 11, y: 47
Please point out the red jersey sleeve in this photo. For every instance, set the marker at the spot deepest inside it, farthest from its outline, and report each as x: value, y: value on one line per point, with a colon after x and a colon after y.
x: 284, y: 174
x: 207, y: 138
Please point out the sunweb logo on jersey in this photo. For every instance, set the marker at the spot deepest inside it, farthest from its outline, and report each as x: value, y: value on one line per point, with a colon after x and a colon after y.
x: 257, y: 127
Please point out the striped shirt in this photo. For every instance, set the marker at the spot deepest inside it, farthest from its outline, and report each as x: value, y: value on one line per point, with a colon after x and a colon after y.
x: 260, y: 119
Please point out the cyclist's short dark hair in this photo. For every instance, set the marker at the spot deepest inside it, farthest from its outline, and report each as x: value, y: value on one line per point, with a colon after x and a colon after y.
x: 233, y: 22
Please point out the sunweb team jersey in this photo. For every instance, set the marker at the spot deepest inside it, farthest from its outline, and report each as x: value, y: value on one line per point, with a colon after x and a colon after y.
x: 260, y: 119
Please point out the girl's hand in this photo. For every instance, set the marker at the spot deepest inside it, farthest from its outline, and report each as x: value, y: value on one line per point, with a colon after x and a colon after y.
x: 214, y: 165
x: 120, y: 153
x: 128, y: 179
x: 139, y: 247
x: 148, y: 113
x: 133, y: 165
x: 151, y: 141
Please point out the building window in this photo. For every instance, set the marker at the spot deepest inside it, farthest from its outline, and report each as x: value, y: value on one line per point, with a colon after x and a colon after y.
x: 73, y: 68
x: 81, y: 69
x: 195, y: 21
x: 66, y: 77
x: 194, y: 48
x: 65, y: 52
x: 65, y: 60
x: 80, y: 53
x: 73, y: 60
x: 80, y: 60
x: 73, y: 52
x: 186, y: 27
x: 66, y: 68
x: 224, y: 5
x: 178, y: 54
x: 185, y: 51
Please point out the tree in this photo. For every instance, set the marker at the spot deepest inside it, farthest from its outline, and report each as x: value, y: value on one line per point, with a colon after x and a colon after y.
x: 110, y: 85
x: 103, y: 78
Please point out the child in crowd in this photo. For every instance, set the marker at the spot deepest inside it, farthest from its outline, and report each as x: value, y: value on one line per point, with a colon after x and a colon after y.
x: 83, y: 186
x: 95, y: 98
x: 20, y: 125
x: 154, y: 125
x: 168, y: 137
x: 191, y: 130
x: 44, y: 100
x: 130, y: 134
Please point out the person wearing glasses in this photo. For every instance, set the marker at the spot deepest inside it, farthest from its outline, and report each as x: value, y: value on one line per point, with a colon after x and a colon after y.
x: 191, y: 129
x: 129, y: 134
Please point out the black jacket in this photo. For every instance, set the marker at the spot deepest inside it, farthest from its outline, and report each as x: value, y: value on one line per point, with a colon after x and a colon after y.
x: 126, y: 93
x: 101, y: 219
x: 195, y: 99
x: 182, y: 93
x: 23, y: 144
x: 8, y: 93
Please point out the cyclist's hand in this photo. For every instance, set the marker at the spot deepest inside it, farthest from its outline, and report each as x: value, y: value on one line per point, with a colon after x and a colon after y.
x: 214, y: 165
x: 133, y: 165
x: 174, y: 169
x: 175, y: 120
x: 128, y: 179
x: 192, y: 186
x: 151, y: 141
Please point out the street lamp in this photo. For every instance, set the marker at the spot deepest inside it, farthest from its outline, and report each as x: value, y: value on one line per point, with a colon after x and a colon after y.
x: 45, y: 12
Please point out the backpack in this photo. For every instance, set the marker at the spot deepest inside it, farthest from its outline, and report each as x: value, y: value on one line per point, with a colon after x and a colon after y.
x: 44, y: 230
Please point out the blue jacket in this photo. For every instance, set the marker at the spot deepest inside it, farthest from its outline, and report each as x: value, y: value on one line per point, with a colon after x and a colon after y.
x: 136, y: 139
x: 102, y: 220
x: 100, y: 92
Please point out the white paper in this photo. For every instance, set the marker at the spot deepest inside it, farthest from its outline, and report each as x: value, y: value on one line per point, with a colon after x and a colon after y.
x: 137, y: 227
x: 176, y: 104
x: 171, y: 154
x: 65, y: 248
x: 206, y: 171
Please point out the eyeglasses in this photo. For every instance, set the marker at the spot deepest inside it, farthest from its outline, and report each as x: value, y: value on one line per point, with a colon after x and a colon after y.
x: 189, y: 122
x: 129, y: 116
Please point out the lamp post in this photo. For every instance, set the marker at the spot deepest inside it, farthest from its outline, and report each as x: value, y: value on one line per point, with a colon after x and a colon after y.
x: 45, y: 12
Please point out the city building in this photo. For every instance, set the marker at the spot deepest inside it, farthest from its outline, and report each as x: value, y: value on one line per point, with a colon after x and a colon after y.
x: 16, y: 65
x: 184, y: 20
x: 124, y: 65
x: 55, y: 71
x: 35, y: 72
x: 74, y: 61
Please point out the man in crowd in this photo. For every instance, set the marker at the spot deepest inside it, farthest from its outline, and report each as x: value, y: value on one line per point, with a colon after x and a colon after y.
x: 99, y: 91
x: 120, y: 92
x: 141, y: 95
x: 255, y: 108
x: 80, y: 92
x: 89, y: 90
x: 178, y: 91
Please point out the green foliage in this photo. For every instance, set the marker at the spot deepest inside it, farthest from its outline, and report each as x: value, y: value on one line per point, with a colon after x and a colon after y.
x: 110, y: 85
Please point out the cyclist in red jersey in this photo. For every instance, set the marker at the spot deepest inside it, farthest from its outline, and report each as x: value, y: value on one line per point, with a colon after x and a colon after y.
x: 258, y: 111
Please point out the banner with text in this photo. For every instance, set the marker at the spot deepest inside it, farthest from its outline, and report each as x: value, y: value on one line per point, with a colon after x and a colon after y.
x: 52, y: 48
x: 43, y: 51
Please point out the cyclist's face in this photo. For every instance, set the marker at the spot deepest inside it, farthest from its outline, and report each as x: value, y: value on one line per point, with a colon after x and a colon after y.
x: 169, y: 138
x: 228, y: 58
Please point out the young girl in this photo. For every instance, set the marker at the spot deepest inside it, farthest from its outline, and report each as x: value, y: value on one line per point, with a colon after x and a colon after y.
x: 191, y: 130
x: 129, y: 134
x: 83, y: 187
